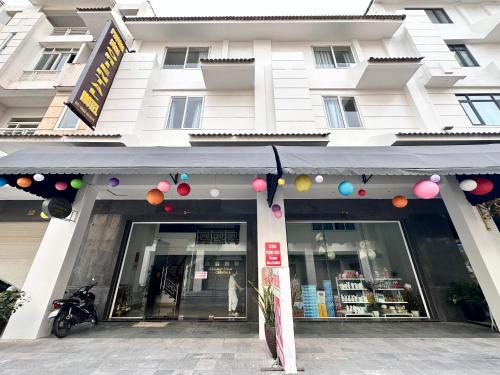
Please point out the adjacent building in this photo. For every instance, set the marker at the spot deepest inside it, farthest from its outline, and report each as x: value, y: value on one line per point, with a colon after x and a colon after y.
x: 291, y: 141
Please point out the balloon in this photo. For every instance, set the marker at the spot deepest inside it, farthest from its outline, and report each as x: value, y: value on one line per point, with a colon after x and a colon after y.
x: 183, y: 189
x: 278, y: 214
x: 163, y: 186
x: 214, y: 192
x: 484, y: 186
x: 184, y: 176
x: 3, y: 181
x: 330, y: 254
x: 154, y: 197
x: 426, y: 189
x: 259, y: 184
x: 435, y: 178
x: 168, y: 207
x: 43, y: 215
x: 371, y: 254
x: 76, y: 183
x: 38, y: 177
x: 281, y: 182
x: 61, y: 185
x: 399, y: 201
x: 113, y: 182
x: 276, y: 207
x: 24, y: 182
x: 468, y: 185
x: 319, y: 179
x: 345, y: 188
x: 361, y: 192
x: 303, y: 183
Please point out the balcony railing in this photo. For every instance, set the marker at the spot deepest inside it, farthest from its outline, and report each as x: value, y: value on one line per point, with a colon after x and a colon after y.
x: 40, y: 75
x: 19, y: 128
x: 62, y: 31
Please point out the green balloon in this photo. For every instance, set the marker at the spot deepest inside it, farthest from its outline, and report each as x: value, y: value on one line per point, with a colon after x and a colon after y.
x: 76, y: 183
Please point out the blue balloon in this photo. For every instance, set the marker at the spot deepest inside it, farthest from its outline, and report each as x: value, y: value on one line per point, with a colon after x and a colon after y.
x: 184, y: 177
x: 3, y: 181
x: 346, y: 188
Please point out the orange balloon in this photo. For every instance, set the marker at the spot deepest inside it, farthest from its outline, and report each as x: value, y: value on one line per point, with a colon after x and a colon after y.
x: 24, y: 182
x: 155, y: 197
x: 399, y: 201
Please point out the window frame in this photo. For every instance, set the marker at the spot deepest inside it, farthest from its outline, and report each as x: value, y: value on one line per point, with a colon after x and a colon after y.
x: 59, y: 52
x: 433, y: 10
x: 61, y: 116
x: 471, y: 102
x: 332, y: 46
x: 5, y: 43
x: 344, y: 119
x: 185, y: 110
x: 185, y: 56
x: 457, y: 48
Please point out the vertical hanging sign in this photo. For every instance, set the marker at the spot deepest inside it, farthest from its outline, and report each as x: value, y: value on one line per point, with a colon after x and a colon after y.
x: 285, y: 337
x: 92, y: 88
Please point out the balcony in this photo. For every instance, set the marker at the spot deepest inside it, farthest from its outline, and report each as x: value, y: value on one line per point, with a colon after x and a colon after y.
x: 386, y: 72
x: 19, y: 128
x: 68, y: 76
x: 35, y: 80
x: 39, y: 75
x: 228, y: 74
x: 67, y: 37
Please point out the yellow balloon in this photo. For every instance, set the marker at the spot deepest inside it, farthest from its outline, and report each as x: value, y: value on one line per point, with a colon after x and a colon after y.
x: 281, y: 182
x: 303, y: 183
x: 43, y: 216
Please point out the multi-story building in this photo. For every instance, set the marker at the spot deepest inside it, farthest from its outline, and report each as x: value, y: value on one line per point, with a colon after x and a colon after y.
x: 341, y: 116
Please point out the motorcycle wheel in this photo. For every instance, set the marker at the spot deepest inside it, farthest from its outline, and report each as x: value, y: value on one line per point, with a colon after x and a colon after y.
x: 61, y: 325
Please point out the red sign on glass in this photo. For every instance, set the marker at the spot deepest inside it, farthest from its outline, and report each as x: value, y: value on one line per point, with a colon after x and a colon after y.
x: 273, y: 254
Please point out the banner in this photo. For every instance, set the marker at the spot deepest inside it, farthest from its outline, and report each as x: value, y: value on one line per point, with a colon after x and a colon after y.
x: 92, y: 88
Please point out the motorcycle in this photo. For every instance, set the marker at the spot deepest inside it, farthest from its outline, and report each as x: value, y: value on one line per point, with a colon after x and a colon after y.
x: 69, y: 312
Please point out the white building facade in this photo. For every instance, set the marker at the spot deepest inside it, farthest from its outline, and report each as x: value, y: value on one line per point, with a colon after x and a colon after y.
x: 338, y: 114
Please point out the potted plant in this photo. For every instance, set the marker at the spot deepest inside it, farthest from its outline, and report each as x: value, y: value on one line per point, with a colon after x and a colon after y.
x: 373, y: 306
x: 10, y: 300
x: 470, y: 298
x: 413, y: 299
x: 266, y: 305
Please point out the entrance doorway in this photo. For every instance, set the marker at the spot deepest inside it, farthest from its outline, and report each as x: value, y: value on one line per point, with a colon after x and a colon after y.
x: 188, y: 270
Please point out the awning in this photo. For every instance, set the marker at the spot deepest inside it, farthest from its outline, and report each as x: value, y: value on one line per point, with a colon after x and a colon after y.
x: 391, y: 160
x: 140, y: 160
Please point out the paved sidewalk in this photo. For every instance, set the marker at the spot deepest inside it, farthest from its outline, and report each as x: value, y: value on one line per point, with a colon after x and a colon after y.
x: 233, y: 348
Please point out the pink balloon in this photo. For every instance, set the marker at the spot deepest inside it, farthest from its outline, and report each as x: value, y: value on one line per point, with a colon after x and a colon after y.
x: 259, y: 184
x: 61, y: 185
x: 426, y: 189
x: 164, y: 186
x: 278, y: 214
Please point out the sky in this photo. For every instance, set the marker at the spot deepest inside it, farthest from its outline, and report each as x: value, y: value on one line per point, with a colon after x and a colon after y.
x: 248, y: 7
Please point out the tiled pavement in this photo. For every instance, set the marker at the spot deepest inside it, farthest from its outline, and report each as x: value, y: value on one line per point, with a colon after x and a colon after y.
x: 233, y: 348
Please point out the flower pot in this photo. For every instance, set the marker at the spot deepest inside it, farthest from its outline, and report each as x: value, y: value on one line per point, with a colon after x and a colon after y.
x: 415, y: 313
x: 271, y: 340
x: 375, y: 314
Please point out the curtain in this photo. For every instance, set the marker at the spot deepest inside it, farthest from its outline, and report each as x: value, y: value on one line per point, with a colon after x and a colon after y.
x: 343, y: 56
x: 176, y: 113
x: 323, y: 57
x: 193, y: 113
x: 332, y: 108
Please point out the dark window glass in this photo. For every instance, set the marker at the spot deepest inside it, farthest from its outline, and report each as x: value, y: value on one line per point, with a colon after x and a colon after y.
x: 436, y: 15
x: 463, y: 55
x: 174, y: 59
x: 481, y: 109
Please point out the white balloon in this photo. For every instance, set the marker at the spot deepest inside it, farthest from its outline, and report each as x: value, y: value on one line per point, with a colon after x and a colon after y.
x: 372, y: 254
x: 468, y: 185
x: 319, y: 237
x: 38, y: 177
x: 214, y: 192
x: 362, y: 254
x: 318, y: 179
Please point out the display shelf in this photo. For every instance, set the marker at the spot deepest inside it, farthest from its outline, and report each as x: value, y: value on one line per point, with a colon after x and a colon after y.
x: 389, y: 278
x: 392, y: 302
x: 354, y: 303
x: 397, y: 315
x: 364, y: 315
x: 351, y: 279
x: 390, y: 289
x: 354, y: 290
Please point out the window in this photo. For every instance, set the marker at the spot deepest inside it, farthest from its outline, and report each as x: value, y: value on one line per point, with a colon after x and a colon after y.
x: 5, y: 42
x: 184, y: 57
x: 463, y: 55
x: 185, y: 112
x: 333, y: 57
x: 342, y: 112
x: 55, y: 58
x: 481, y: 109
x: 436, y: 15
x: 68, y: 120
x: 21, y: 126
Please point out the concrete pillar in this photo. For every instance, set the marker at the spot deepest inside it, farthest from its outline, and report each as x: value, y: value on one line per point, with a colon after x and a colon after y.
x: 481, y: 245
x: 51, y: 270
x: 264, y: 90
x: 269, y: 229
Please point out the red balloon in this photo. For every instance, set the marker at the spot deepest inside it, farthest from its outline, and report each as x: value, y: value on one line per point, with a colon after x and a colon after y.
x: 168, y: 207
x: 183, y: 189
x: 361, y: 192
x: 484, y: 186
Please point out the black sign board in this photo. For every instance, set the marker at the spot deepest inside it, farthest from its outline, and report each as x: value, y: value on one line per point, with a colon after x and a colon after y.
x: 59, y: 208
x: 92, y: 88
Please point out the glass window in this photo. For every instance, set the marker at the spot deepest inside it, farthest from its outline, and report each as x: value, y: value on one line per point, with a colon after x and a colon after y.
x: 68, y: 120
x: 189, y: 270
x: 333, y: 57
x: 185, y: 57
x: 5, y: 42
x: 463, y: 55
x: 436, y: 15
x: 481, y: 109
x: 54, y: 58
x: 185, y: 112
x: 342, y: 112
x: 358, y: 270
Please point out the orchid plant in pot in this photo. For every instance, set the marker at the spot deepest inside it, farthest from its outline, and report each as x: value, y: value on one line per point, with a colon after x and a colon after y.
x: 265, y: 299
